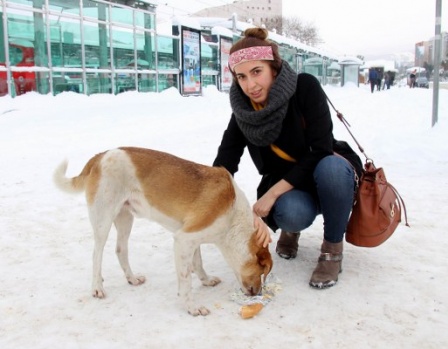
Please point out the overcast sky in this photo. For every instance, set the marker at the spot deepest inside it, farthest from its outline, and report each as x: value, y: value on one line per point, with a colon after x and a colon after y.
x: 352, y: 27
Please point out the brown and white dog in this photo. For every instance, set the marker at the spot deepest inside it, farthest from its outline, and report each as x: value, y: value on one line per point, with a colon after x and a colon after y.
x: 198, y: 203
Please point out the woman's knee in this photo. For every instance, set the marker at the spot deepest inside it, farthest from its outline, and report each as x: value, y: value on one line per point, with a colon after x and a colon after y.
x: 295, y: 211
x: 334, y: 171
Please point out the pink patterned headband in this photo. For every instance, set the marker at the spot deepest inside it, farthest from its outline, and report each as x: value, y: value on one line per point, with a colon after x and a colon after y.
x: 254, y: 53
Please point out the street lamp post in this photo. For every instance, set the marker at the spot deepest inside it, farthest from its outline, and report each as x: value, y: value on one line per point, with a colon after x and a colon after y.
x: 437, y: 49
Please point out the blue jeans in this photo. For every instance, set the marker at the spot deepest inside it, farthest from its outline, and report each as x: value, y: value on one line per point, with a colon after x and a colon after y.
x: 296, y: 210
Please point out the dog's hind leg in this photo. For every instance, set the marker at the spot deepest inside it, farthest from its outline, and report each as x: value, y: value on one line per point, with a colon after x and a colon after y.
x: 198, y: 269
x: 101, y: 224
x: 123, y: 224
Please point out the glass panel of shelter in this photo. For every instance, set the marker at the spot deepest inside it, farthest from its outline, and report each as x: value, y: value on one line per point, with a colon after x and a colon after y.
x: 102, y: 47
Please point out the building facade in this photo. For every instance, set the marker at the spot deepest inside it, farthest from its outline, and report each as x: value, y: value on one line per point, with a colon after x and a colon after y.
x: 425, y: 50
x: 257, y: 12
x: 86, y: 46
x: 99, y: 46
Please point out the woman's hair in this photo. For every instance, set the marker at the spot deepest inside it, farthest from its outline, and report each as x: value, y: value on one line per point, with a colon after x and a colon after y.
x: 258, y: 37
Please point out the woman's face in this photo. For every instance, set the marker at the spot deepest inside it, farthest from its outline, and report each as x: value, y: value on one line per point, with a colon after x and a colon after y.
x: 255, y: 79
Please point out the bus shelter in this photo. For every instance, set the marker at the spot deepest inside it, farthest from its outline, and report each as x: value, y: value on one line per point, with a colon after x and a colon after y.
x: 350, y: 70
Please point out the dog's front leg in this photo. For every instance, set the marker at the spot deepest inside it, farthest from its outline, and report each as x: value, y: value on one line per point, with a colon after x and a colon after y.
x: 183, y: 254
x: 200, y: 272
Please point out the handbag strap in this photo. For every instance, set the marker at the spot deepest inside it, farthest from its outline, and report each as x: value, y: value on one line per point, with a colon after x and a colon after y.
x: 361, y: 149
x: 400, y: 203
x: 347, y: 125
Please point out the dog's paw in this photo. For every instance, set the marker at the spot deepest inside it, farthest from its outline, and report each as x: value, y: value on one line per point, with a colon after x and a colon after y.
x: 98, y: 293
x: 136, y: 280
x: 199, y: 311
x: 211, y: 281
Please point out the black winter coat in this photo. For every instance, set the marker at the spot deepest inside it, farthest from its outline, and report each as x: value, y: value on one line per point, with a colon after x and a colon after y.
x: 307, y: 136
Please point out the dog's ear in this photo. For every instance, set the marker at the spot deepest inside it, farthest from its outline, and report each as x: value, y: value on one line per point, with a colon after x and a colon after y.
x: 265, y: 260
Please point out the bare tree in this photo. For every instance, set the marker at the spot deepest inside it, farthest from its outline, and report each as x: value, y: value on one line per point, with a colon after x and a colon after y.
x: 293, y: 27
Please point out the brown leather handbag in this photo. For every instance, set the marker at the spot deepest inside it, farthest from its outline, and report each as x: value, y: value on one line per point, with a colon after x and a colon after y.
x: 377, y: 208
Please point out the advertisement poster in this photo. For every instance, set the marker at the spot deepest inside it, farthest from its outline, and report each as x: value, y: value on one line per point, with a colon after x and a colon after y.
x: 226, y: 76
x: 191, y: 62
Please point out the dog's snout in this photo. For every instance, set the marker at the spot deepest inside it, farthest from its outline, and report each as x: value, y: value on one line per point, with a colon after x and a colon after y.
x: 250, y: 290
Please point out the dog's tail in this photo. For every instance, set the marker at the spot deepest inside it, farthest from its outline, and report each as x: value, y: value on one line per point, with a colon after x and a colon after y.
x: 77, y: 184
x: 69, y: 185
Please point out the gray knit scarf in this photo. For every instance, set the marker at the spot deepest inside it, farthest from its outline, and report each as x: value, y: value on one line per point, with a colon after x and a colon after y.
x: 263, y: 127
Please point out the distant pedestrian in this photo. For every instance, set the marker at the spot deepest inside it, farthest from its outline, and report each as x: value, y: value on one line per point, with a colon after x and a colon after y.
x: 386, y: 80
x: 379, y: 79
x: 391, y: 78
x: 373, y: 77
x: 412, y: 79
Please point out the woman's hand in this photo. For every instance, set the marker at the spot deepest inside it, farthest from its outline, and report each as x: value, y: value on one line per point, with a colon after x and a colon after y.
x: 263, y: 234
x: 264, y: 205
x: 262, y: 208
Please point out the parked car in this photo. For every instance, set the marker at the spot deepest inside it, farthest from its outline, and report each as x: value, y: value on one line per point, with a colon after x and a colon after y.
x: 422, y: 81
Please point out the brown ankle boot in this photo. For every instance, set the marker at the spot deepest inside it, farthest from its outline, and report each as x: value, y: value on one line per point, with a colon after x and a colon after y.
x: 328, y: 266
x: 287, y: 245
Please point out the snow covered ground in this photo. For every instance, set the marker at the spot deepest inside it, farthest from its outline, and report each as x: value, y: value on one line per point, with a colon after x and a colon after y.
x: 392, y: 296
